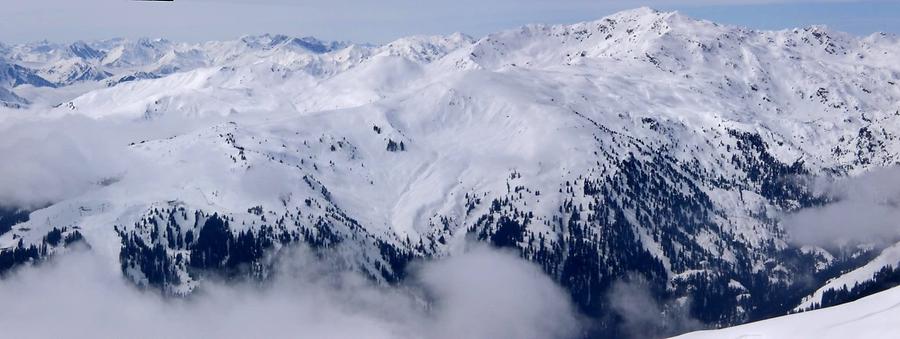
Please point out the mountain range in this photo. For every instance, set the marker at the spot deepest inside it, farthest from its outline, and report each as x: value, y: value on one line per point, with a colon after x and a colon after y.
x: 645, y: 146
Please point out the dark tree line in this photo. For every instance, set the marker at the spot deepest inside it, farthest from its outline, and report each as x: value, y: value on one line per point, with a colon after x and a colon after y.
x: 34, y: 253
x: 11, y: 216
x: 886, y: 278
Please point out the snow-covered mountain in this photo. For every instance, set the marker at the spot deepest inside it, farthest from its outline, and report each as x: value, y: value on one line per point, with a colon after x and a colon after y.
x: 642, y: 143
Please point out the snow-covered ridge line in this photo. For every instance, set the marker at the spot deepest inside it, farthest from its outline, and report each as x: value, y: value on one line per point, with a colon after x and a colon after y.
x: 642, y: 142
x: 888, y: 258
x: 65, y: 64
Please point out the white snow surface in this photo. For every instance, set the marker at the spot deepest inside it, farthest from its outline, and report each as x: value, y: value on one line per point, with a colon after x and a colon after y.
x: 888, y: 257
x: 872, y: 317
x: 536, y: 106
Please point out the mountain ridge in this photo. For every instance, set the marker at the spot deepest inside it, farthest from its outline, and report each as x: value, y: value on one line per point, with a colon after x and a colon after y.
x: 644, y: 142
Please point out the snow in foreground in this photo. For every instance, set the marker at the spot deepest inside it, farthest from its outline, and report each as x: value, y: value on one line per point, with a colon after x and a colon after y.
x: 875, y: 316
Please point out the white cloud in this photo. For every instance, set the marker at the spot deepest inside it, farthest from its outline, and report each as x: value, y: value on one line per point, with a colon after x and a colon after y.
x: 46, y: 161
x: 643, y: 316
x: 866, y: 209
x: 479, y: 294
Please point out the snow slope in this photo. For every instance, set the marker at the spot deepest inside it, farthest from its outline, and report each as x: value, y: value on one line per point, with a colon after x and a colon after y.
x: 642, y: 142
x: 874, y: 316
x: 888, y: 257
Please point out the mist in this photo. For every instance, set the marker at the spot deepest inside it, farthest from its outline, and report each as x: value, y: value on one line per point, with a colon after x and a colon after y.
x: 44, y: 162
x: 482, y: 293
x: 865, y: 209
x: 49, y: 159
x: 643, y: 316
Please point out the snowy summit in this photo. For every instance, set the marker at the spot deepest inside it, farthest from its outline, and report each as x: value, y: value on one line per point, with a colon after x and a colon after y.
x: 644, y: 144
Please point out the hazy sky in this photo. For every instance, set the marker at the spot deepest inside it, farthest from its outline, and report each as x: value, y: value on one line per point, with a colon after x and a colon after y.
x: 384, y: 20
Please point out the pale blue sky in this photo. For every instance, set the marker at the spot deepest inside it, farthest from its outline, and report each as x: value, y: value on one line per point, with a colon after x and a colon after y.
x: 382, y: 21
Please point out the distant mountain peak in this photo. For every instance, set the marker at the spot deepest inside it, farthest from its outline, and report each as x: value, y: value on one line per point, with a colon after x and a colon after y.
x: 270, y: 41
x: 82, y: 50
x: 644, y: 142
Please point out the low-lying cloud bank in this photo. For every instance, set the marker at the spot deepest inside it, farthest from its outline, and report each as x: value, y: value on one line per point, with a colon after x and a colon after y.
x: 643, y: 316
x: 866, y: 209
x: 45, y: 160
x: 479, y: 294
